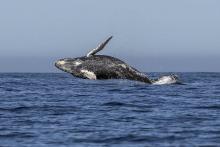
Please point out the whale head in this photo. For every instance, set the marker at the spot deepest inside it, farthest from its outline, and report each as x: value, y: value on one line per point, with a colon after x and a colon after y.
x: 68, y: 65
x: 75, y: 67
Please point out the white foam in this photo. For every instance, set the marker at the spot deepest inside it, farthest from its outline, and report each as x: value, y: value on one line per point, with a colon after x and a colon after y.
x: 165, y: 80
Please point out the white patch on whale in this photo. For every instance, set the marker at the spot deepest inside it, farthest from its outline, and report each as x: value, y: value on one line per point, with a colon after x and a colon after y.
x: 89, y: 74
x: 123, y: 65
x: 61, y: 62
x: 77, y: 63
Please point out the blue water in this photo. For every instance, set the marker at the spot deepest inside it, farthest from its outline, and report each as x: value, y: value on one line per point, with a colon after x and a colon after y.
x: 60, y: 110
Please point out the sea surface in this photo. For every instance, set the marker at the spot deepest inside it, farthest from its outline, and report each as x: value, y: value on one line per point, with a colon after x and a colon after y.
x: 56, y: 109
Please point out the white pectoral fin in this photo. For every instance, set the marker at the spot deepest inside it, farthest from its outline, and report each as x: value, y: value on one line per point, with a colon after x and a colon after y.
x: 88, y: 74
x: 99, y: 48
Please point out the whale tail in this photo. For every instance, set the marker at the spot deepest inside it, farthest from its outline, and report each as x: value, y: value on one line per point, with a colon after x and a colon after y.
x: 100, y: 47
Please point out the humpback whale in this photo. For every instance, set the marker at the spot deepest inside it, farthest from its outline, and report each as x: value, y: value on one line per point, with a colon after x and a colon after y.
x: 100, y: 67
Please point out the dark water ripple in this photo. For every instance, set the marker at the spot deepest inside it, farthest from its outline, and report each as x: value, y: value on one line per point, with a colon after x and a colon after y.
x: 59, y: 110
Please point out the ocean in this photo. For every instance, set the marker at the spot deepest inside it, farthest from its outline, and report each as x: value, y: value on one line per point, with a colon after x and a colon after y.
x: 56, y: 109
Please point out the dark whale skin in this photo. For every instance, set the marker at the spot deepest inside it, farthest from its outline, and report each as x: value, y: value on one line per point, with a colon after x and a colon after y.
x: 102, y: 66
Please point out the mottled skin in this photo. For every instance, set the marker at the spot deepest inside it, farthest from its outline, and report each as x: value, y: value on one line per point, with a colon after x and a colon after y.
x: 102, y: 67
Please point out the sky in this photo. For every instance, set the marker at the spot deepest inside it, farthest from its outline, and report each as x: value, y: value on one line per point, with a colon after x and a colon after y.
x: 151, y: 35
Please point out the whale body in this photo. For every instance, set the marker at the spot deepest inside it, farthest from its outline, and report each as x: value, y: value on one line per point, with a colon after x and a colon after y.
x: 100, y: 67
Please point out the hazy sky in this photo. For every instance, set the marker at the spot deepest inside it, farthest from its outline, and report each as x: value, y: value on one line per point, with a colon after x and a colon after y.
x: 152, y: 35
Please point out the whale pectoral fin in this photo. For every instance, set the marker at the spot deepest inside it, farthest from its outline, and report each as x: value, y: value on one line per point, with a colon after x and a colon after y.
x: 99, y: 48
x: 88, y: 74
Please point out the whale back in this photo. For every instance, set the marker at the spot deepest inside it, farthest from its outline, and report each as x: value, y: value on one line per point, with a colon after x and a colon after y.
x: 107, y: 67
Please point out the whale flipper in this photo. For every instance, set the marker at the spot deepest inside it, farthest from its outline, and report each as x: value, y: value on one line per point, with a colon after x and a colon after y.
x: 99, y: 48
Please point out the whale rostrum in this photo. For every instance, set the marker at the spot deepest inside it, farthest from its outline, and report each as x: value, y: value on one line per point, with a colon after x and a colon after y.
x: 100, y: 67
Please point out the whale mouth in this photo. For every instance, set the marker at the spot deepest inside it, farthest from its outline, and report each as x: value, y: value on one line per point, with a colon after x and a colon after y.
x: 57, y: 65
x: 60, y: 64
x: 64, y: 65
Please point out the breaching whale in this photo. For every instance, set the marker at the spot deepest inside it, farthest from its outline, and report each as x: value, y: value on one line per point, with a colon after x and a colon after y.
x: 98, y: 67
